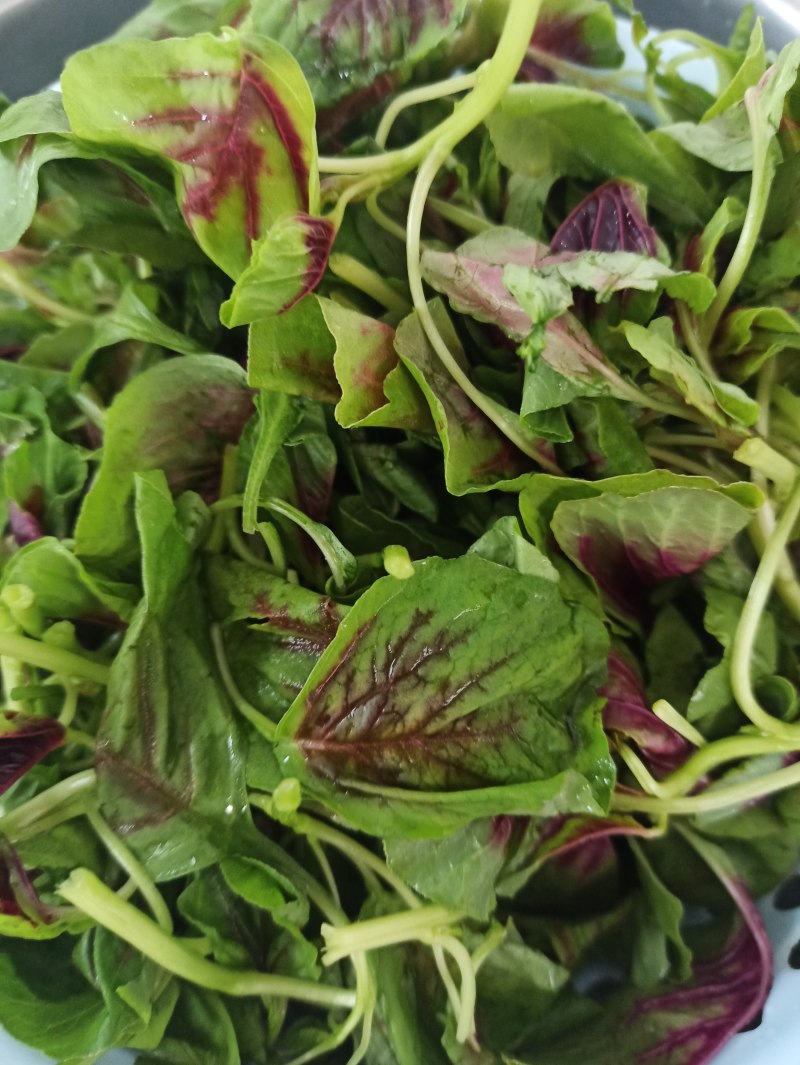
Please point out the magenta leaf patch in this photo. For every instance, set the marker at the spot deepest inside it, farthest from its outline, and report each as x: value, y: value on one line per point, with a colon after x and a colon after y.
x: 612, y: 218
x: 232, y: 116
x: 24, y: 741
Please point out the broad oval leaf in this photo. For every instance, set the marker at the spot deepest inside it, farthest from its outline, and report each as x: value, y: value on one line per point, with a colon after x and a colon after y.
x: 468, y: 675
x: 24, y: 741
x: 231, y: 115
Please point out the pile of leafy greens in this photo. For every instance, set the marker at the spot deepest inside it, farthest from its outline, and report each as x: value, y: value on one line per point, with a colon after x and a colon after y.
x: 400, y: 494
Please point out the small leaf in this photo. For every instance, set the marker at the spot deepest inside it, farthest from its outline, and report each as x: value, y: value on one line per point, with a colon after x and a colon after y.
x: 377, y: 389
x: 24, y: 742
x: 612, y: 218
x: 293, y: 353
x: 287, y: 264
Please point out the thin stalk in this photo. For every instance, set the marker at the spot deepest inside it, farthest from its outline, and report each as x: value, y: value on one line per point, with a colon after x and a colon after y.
x: 679, y: 462
x: 460, y: 216
x: 128, y: 861
x: 378, y: 932
x: 697, y: 348
x: 763, y: 173
x: 269, y: 534
x: 13, y: 282
x: 377, y: 213
x: 711, y: 800
x: 747, y: 629
x: 468, y: 994
x: 259, y: 721
x: 54, y: 659
x: 360, y: 277
x: 422, y: 95
x: 68, y: 796
x: 607, y: 83
x: 87, y: 893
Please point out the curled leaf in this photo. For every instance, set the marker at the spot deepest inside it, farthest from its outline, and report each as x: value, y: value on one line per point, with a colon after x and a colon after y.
x: 24, y: 741
x: 611, y: 218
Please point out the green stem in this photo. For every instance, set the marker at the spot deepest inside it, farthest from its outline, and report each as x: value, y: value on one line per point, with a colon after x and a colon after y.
x: 697, y: 348
x: 378, y: 215
x: 747, y: 629
x: 259, y: 721
x: 569, y: 72
x: 679, y: 462
x: 378, y: 932
x: 128, y: 861
x: 272, y: 541
x: 360, y: 277
x: 421, y: 95
x: 87, y: 893
x: 13, y: 282
x: 711, y: 800
x: 54, y: 659
x: 67, y: 799
x: 763, y: 172
x: 460, y: 216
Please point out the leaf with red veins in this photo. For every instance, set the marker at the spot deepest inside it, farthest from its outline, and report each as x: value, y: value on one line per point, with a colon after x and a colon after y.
x: 232, y: 116
x: 467, y: 675
x: 24, y: 741
x: 612, y: 218
x: 345, y: 46
x: 287, y: 264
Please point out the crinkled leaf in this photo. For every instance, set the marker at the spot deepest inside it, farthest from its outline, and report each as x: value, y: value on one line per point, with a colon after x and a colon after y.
x: 176, y: 417
x: 385, y: 705
x: 347, y: 45
x: 377, y: 389
x: 287, y: 264
x: 477, y: 456
x: 472, y: 277
x: 232, y: 116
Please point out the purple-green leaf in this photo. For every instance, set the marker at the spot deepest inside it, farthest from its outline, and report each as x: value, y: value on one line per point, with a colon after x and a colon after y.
x: 287, y: 264
x: 232, y: 116
x: 345, y: 46
x: 465, y: 679
x: 24, y: 742
x: 477, y: 456
x: 293, y: 353
x: 377, y: 389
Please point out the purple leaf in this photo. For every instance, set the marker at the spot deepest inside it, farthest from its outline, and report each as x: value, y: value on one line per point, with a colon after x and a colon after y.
x: 25, y: 526
x: 627, y: 713
x: 24, y: 741
x: 611, y: 218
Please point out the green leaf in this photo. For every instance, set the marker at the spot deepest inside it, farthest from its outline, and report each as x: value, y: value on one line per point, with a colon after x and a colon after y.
x: 293, y: 353
x: 583, y: 134
x: 170, y: 771
x: 477, y: 456
x: 718, y: 400
x: 176, y: 417
x: 180, y: 18
x: 754, y: 65
x: 232, y: 117
x: 612, y: 445
x: 377, y: 389
x: 459, y: 872
x: 200, y: 1033
x: 439, y: 687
